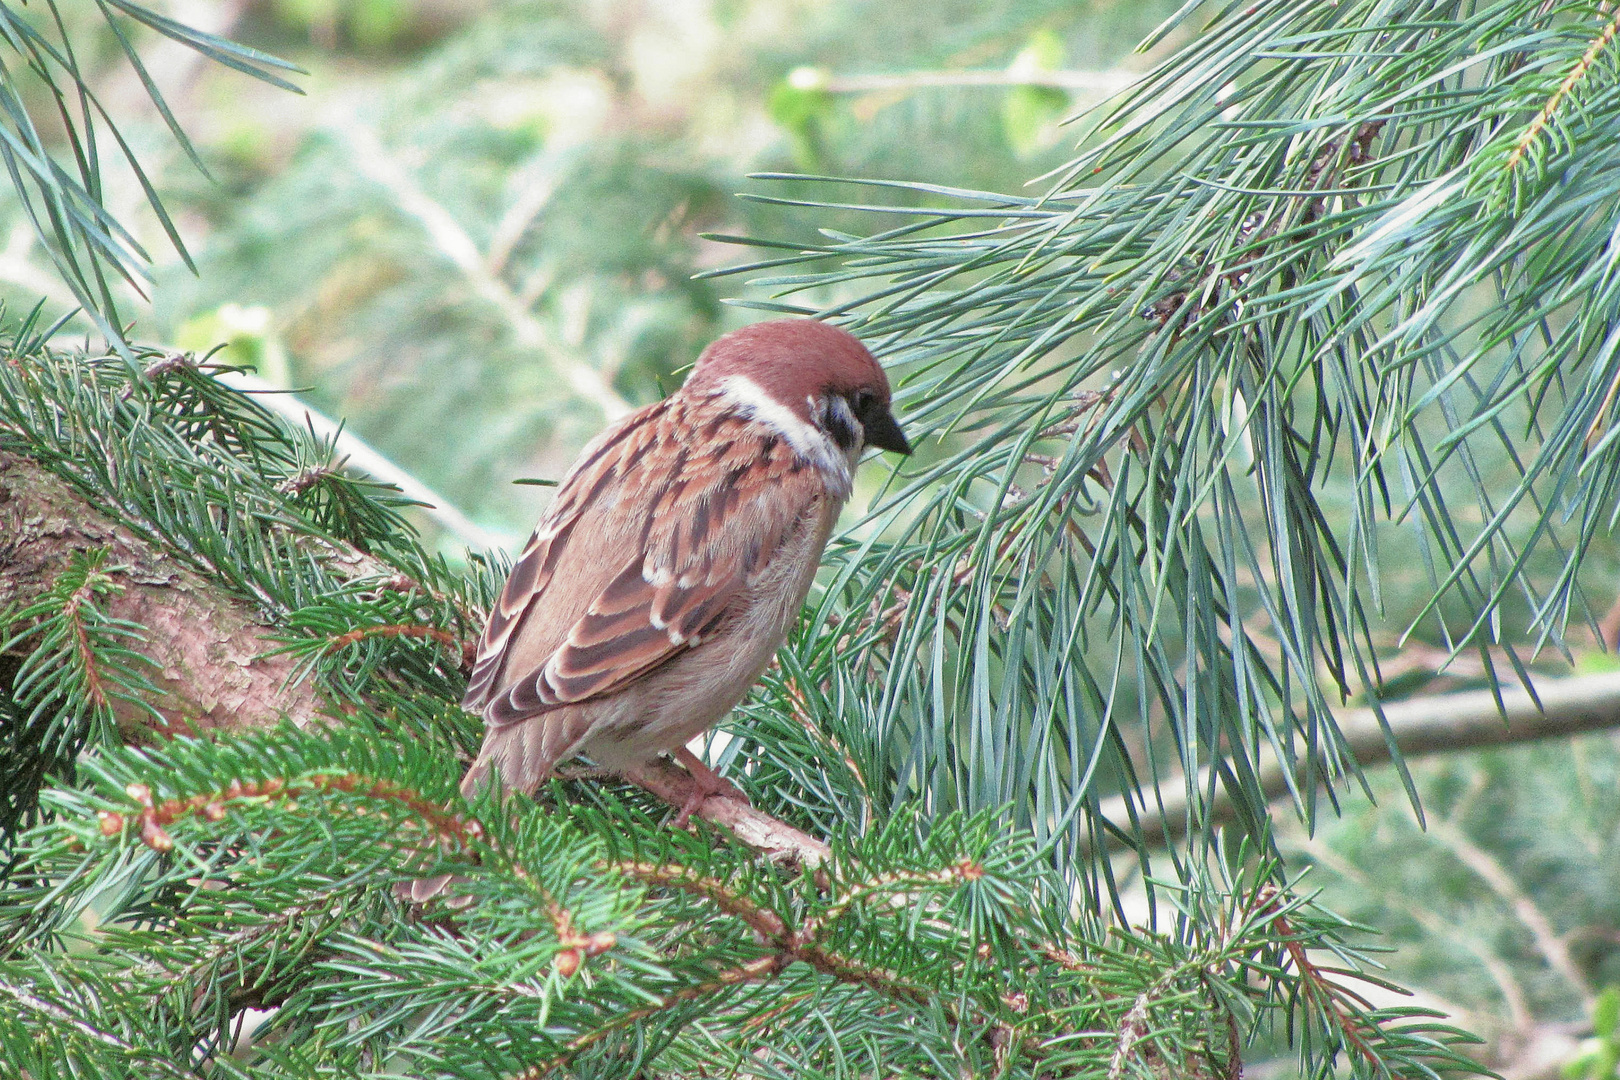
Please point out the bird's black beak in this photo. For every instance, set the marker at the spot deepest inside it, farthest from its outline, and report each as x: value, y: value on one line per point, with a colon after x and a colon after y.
x: 883, y: 431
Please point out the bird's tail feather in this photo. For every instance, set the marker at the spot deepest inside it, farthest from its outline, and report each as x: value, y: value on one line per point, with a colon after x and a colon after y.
x: 523, y: 755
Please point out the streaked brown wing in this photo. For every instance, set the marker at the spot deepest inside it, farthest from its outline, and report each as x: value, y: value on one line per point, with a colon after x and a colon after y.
x: 644, y: 566
x: 595, y: 477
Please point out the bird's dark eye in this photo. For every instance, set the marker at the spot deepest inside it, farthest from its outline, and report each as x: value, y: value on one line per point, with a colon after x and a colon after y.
x: 861, y: 402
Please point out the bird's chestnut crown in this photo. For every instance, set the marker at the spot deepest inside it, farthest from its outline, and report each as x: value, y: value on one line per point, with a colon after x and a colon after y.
x: 820, y: 373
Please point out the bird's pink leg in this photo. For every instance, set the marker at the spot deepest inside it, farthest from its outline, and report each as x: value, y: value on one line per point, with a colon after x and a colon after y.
x: 707, y: 783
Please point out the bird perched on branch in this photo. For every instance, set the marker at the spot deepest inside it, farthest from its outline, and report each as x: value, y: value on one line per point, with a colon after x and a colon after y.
x: 676, y: 556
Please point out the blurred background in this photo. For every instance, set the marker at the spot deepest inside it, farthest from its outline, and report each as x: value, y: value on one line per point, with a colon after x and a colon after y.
x: 480, y: 233
x: 479, y: 227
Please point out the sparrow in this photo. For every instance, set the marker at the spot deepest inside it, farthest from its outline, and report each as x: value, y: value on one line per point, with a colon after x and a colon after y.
x: 675, y: 558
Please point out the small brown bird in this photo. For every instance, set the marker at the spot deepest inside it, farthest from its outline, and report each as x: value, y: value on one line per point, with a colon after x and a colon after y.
x: 676, y: 556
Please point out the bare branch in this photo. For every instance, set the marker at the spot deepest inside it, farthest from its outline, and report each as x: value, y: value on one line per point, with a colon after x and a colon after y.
x: 753, y: 828
x: 1427, y: 725
x: 1102, y: 82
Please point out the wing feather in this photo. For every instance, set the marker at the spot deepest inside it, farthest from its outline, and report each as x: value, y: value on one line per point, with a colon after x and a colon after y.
x: 647, y: 547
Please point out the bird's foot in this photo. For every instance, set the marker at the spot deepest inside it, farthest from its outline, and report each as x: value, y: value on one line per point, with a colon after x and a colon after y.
x: 707, y: 784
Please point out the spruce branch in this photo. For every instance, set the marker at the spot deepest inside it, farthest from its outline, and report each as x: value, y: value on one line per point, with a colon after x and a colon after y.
x: 1343, y: 1005
x: 154, y: 819
x: 307, y: 814
x: 804, y: 944
x: 79, y: 661
x: 757, y: 970
x: 68, y: 1016
x: 360, y: 456
x: 1577, y: 72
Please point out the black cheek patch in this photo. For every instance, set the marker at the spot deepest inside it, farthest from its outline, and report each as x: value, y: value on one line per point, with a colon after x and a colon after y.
x: 840, y: 430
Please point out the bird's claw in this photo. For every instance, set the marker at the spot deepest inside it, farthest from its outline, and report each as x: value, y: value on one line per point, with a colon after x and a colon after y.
x: 706, y: 784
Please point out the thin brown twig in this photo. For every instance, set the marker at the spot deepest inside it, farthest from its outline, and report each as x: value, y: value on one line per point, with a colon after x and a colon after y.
x: 754, y: 971
x: 573, y: 946
x: 1328, y: 994
x: 965, y: 870
x: 1513, y: 994
x: 763, y: 921
x: 73, y: 611
x: 155, y: 817
x: 1257, y: 232
x: 304, y: 479
x: 466, y: 650
x: 798, y: 944
x: 787, y: 946
x: 1576, y: 74
x: 343, y: 641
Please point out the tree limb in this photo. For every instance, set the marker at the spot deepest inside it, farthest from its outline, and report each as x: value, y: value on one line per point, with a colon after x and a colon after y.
x: 209, y: 648
x: 1421, y: 726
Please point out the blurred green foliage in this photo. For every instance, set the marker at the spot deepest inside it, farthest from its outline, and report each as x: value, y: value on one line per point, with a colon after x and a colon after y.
x: 1600, y: 1056
x: 475, y: 196
x: 1503, y: 912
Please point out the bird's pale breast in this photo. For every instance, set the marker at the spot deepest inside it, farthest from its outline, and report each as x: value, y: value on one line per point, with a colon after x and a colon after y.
x: 694, y: 691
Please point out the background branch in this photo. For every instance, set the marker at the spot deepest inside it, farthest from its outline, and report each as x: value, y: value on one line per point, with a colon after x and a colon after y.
x: 1102, y: 82
x: 1420, y: 726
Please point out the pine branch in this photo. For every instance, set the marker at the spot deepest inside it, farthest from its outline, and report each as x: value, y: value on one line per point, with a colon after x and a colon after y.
x: 86, y: 244
x: 1439, y: 724
x: 1347, y: 387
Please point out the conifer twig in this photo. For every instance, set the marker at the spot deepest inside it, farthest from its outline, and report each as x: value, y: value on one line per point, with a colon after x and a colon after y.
x: 1576, y: 74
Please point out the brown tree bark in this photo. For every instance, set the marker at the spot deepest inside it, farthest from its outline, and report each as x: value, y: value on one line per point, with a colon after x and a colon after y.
x: 208, y: 649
